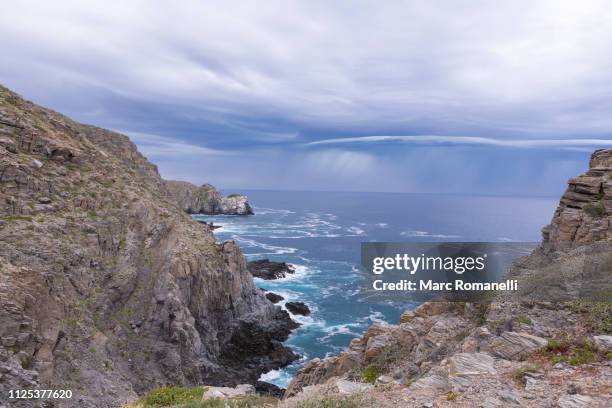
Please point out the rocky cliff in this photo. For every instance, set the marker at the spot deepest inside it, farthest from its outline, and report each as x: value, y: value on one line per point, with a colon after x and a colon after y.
x: 206, y: 199
x: 107, y: 287
x: 548, y: 345
x: 585, y: 210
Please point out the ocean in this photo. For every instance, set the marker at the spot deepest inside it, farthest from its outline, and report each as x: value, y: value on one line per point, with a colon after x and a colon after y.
x: 320, y: 233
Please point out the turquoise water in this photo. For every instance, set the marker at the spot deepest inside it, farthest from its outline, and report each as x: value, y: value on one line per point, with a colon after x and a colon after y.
x: 321, y: 232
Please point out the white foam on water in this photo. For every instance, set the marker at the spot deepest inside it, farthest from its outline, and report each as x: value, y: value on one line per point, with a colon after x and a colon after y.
x: 356, y: 230
x: 270, y: 376
x: 338, y: 330
x: 377, y: 317
x: 265, y: 211
x: 276, y: 250
x: 416, y: 233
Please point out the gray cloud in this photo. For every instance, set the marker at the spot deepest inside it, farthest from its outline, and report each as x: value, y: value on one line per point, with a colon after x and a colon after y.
x: 531, y: 66
x: 433, y: 140
x: 236, y: 89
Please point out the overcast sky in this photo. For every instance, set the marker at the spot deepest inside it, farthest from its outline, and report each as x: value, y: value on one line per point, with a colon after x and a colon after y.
x: 486, y: 97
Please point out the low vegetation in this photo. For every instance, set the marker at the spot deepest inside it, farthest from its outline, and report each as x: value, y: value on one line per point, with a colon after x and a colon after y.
x: 573, y: 351
x: 519, y: 374
x: 597, y: 315
x: 172, y: 396
x: 346, y: 401
x: 191, y: 397
x: 371, y: 373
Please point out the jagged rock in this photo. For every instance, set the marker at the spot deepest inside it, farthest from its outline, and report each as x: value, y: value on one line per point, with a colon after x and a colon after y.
x: 206, y: 199
x: 574, y: 401
x: 273, y: 297
x: 298, y: 308
x: 585, y: 211
x: 266, y: 388
x: 241, y: 390
x: 269, y: 270
x: 512, y: 345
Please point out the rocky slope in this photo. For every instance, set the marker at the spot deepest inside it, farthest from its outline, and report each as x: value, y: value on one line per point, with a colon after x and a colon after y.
x: 206, y: 199
x: 107, y: 287
x: 548, y: 345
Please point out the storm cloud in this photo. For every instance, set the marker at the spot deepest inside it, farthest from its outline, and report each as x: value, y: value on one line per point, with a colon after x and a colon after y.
x: 263, y: 94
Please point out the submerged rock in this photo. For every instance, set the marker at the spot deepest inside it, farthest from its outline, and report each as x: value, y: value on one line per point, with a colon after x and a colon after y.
x: 269, y: 270
x: 298, y: 308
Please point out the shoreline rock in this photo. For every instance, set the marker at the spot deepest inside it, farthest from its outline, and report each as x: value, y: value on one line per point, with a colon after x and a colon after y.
x: 273, y: 297
x: 298, y: 308
x: 270, y: 270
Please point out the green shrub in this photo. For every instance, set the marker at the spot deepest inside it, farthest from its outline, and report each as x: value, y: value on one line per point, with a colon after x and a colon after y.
x: 595, y: 209
x: 371, y: 373
x: 171, y: 395
x: 451, y: 396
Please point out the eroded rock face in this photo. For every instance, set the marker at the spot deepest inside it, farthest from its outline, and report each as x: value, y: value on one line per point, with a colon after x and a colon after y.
x: 107, y: 287
x: 206, y: 199
x: 584, y: 213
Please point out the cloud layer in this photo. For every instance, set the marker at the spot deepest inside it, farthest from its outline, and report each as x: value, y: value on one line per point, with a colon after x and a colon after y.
x: 260, y: 80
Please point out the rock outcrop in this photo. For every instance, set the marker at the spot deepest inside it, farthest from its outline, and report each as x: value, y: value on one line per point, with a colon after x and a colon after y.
x: 546, y: 345
x: 206, y: 199
x: 107, y: 287
x: 298, y: 308
x: 270, y: 270
x: 585, y: 211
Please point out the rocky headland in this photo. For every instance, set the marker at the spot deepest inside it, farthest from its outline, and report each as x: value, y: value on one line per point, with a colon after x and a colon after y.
x: 107, y: 286
x: 205, y: 199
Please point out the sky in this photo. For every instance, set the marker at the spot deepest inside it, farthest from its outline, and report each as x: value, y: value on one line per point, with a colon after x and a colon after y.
x: 466, y: 97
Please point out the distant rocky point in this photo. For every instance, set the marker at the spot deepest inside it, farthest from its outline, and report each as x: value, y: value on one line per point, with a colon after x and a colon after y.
x: 206, y: 199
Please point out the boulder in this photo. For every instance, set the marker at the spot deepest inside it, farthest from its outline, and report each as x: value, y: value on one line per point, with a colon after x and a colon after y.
x: 266, y: 388
x: 350, y: 387
x: 471, y: 364
x: 514, y: 345
x: 298, y: 308
x: 241, y: 390
x: 603, y: 342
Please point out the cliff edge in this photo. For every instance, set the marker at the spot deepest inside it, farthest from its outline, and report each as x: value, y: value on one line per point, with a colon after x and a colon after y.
x: 107, y: 287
